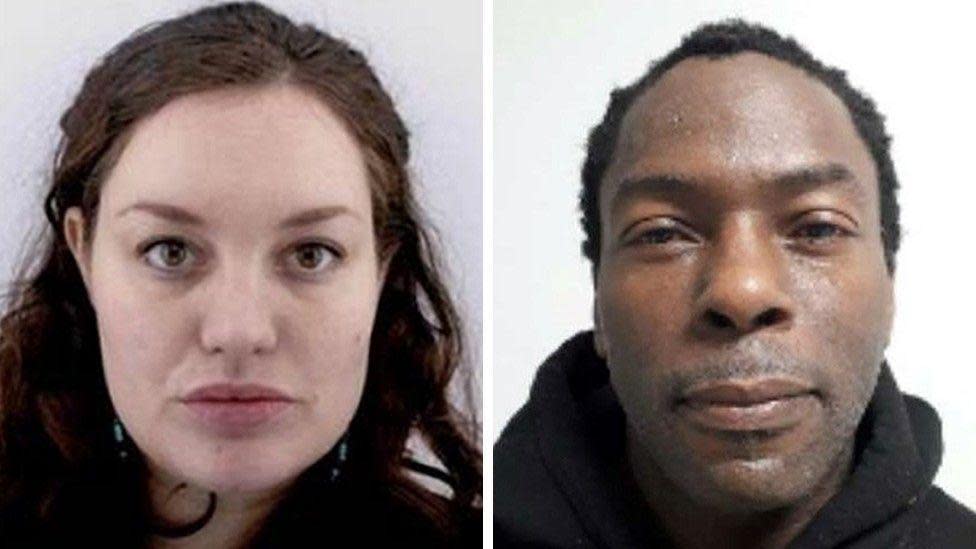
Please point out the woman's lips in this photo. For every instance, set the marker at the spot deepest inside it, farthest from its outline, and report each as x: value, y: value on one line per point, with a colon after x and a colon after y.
x: 229, y: 409
x: 766, y: 404
x: 236, y: 417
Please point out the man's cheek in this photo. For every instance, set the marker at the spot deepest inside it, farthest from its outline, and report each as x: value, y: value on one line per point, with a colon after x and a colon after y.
x: 850, y: 317
x: 636, y: 344
x: 626, y: 326
x: 843, y: 330
x: 639, y: 305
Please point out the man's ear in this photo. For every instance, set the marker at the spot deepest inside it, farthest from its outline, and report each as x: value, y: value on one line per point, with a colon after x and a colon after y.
x: 74, y: 234
x: 889, y: 311
x: 599, y: 339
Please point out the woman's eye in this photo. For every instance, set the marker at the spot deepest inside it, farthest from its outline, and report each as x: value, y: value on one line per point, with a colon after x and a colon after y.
x: 168, y: 255
x: 313, y: 257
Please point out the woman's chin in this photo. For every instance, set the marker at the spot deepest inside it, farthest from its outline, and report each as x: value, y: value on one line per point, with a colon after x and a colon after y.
x: 234, y: 470
x: 240, y: 480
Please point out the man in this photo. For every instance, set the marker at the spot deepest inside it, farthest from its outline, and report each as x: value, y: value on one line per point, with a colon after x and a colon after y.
x: 740, y: 215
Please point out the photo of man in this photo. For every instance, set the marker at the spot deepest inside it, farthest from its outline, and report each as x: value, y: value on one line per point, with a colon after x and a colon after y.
x: 741, y: 219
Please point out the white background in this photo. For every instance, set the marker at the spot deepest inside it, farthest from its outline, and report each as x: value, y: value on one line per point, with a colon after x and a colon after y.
x: 554, y: 66
x: 428, y: 57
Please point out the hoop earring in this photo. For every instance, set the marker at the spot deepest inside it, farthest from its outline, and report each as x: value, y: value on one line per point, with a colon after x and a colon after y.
x: 184, y: 530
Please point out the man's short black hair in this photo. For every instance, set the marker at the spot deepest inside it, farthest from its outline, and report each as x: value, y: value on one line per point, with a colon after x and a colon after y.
x: 714, y: 41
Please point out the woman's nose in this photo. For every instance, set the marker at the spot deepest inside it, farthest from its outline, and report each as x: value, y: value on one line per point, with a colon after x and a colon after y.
x: 238, y: 316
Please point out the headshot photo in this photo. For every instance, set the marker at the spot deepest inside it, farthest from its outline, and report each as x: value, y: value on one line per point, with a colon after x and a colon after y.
x: 241, y: 274
x: 732, y: 282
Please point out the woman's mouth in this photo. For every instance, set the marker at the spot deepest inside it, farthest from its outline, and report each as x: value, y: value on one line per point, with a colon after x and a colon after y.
x: 235, y: 410
x: 237, y: 417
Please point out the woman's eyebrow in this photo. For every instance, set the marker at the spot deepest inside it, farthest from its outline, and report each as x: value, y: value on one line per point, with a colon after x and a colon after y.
x: 165, y: 211
x: 179, y: 215
x: 316, y: 215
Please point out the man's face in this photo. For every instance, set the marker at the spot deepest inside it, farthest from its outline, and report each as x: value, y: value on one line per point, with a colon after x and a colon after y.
x: 742, y: 299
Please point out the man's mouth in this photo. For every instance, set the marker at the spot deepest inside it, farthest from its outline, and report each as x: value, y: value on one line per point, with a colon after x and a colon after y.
x: 765, y: 404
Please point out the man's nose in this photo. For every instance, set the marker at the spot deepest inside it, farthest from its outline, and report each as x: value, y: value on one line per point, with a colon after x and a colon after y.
x: 238, y: 316
x: 743, y: 285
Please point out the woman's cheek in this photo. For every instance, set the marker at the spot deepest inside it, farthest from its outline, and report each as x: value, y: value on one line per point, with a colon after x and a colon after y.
x: 126, y: 325
x: 338, y: 328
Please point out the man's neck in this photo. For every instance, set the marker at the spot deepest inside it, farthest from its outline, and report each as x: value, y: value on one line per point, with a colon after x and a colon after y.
x: 692, y: 525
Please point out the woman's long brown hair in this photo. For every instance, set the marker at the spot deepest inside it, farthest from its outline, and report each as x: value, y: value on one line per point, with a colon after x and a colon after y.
x: 57, y: 455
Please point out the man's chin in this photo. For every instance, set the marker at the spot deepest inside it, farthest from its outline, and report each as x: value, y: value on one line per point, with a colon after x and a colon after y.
x: 764, y: 481
x: 753, y: 485
x: 741, y: 467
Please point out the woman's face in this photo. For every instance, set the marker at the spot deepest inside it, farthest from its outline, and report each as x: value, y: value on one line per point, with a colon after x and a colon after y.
x: 234, y: 245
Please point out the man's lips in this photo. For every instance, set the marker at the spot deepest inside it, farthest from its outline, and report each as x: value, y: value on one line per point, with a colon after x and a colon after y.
x: 745, y: 392
x: 754, y: 404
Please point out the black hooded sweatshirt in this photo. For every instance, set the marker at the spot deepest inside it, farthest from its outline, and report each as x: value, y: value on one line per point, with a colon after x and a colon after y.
x: 558, y: 482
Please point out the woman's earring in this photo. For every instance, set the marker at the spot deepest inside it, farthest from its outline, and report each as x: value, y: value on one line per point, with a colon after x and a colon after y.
x: 119, y: 433
x: 342, y: 452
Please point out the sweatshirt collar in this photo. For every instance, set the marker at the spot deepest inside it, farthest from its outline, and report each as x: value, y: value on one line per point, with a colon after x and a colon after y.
x: 579, y: 427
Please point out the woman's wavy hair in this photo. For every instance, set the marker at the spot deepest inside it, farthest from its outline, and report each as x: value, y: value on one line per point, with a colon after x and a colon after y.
x: 57, y: 454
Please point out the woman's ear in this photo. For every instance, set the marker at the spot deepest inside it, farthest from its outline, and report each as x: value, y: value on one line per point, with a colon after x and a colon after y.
x: 383, y: 266
x: 74, y: 235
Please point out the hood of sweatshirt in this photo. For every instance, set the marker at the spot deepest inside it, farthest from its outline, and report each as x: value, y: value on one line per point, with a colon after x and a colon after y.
x: 578, y: 426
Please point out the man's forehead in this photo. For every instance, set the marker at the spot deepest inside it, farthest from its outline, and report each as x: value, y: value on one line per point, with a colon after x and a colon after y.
x: 745, y: 112
x: 731, y: 80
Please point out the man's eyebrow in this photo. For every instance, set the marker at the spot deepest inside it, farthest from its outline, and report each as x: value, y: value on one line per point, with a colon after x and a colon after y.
x: 181, y: 216
x: 815, y: 175
x: 794, y: 180
x: 665, y: 185
x: 832, y: 174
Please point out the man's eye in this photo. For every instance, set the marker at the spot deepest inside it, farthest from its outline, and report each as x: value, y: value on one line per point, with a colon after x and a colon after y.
x: 815, y: 232
x: 661, y: 235
x: 658, y: 235
x: 312, y: 257
x: 168, y: 255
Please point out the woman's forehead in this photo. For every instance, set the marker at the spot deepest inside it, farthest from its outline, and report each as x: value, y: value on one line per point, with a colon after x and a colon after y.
x: 250, y: 151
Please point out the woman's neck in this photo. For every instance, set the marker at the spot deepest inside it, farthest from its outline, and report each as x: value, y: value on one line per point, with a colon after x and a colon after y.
x: 236, y: 519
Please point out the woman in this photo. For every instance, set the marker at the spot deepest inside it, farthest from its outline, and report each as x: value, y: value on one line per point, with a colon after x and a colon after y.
x: 238, y: 324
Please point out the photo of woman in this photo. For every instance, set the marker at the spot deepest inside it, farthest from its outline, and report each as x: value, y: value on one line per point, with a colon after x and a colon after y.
x: 238, y: 333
